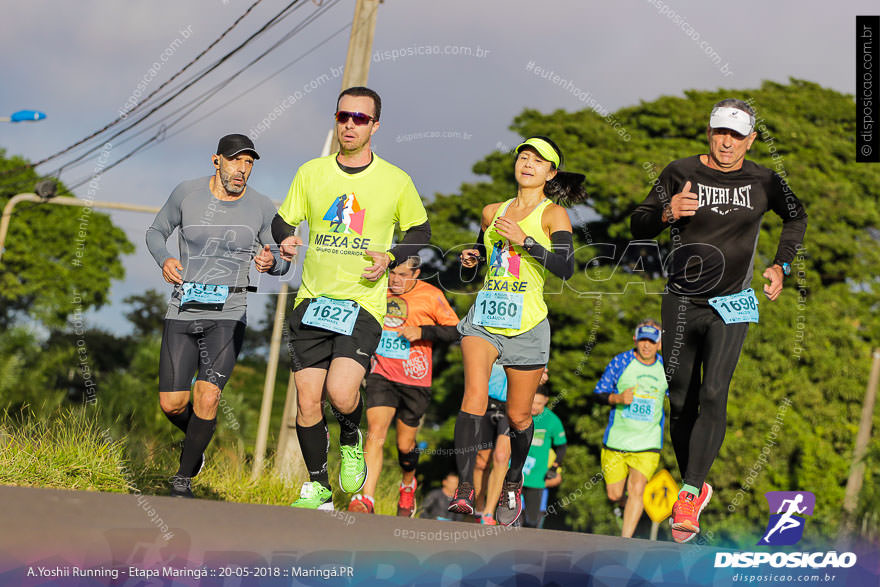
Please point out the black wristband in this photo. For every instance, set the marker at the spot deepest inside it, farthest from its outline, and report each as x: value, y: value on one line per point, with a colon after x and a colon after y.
x: 560, y: 262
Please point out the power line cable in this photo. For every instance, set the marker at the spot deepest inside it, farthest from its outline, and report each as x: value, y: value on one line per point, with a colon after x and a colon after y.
x: 189, y: 84
x: 282, y: 14
x: 214, y: 90
x: 255, y: 86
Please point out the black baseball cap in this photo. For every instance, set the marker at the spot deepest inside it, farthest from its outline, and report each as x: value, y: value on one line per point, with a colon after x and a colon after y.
x: 231, y: 145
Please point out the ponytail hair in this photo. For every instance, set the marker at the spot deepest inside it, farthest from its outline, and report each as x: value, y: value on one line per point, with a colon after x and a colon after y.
x: 566, y: 188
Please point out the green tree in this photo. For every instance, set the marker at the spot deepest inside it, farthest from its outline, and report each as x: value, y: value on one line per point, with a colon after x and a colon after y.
x: 147, y: 314
x: 57, y: 259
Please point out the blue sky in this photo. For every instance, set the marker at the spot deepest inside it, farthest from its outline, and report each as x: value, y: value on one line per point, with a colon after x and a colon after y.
x: 452, y: 76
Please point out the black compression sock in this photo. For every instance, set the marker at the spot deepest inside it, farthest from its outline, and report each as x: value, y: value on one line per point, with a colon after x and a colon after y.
x: 314, y: 441
x: 198, y: 435
x: 467, y: 437
x: 349, y: 423
x: 520, y: 441
x: 181, y: 419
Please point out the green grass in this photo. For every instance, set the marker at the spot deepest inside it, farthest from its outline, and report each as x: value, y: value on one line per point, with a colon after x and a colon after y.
x: 227, y: 477
x: 68, y: 450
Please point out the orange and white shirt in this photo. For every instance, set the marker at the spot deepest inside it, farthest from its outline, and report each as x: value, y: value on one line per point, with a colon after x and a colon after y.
x: 423, y: 305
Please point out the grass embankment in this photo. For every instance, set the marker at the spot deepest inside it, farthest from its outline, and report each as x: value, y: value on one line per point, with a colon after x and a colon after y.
x: 227, y: 477
x: 70, y: 449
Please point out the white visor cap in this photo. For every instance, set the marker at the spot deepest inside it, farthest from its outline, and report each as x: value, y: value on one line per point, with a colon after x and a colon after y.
x: 732, y: 118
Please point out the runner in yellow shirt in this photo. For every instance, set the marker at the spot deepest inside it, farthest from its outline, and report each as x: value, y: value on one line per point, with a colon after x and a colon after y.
x: 508, y: 322
x: 351, y: 200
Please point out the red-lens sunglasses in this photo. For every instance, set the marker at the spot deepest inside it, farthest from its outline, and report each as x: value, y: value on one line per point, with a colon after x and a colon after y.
x: 359, y: 118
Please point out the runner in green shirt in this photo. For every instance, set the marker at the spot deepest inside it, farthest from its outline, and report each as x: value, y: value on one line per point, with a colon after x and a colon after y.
x: 635, y: 384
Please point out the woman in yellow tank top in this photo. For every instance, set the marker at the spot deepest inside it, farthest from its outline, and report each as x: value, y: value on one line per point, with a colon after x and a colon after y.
x: 522, y: 240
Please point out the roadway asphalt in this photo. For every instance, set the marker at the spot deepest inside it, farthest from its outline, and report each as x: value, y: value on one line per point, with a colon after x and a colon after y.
x: 55, y: 537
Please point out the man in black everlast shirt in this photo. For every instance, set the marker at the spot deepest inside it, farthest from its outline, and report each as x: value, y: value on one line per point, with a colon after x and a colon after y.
x: 713, y: 204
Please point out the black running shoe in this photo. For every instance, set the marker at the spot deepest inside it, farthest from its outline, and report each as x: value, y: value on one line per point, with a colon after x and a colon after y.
x: 181, y: 487
x: 510, y: 505
x: 463, y: 500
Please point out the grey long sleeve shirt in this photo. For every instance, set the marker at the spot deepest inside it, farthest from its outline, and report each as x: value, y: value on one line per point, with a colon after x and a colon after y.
x: 218, y: 240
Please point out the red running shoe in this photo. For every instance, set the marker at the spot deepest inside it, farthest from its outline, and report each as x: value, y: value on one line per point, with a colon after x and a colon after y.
x: 686, y: 511
x: 406, y: 503
x: 361, y: 503
x: 682, y: 536
x: 463, y: 500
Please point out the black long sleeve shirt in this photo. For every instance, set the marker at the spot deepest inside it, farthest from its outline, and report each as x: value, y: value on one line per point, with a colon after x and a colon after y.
x: 713, y: 252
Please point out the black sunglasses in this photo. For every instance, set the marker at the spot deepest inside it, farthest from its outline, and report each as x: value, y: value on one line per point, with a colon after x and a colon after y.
x: 359, y: 118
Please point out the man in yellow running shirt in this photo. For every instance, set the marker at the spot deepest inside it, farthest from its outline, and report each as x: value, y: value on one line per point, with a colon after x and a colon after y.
x: 351, y: 201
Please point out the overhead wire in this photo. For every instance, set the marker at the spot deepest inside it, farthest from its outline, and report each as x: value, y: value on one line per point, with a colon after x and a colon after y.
x: 277, y: 18
x: 260, y: 83
x: 274, y: 20
x: 207, y: 95
x: 200, y: 99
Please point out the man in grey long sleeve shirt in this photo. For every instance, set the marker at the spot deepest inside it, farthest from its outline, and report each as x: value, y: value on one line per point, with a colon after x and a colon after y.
x: 222, y: 225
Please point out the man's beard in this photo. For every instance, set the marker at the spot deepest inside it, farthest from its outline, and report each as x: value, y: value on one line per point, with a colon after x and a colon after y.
x: 226, y: 182
x: 354, y: 146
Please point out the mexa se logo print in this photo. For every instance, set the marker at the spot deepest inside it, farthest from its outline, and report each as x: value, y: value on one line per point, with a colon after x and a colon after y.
x: 345, y: 215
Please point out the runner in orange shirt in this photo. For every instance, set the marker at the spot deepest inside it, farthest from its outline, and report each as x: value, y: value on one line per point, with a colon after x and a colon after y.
x: 400, y: 380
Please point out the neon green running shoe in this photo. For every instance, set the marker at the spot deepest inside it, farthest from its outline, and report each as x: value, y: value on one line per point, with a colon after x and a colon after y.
x: 314, y: 496
x: 353, y: 471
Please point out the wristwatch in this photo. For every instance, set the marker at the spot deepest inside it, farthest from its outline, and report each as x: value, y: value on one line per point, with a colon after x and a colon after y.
x: 528, y: 243
x: 786, y: 268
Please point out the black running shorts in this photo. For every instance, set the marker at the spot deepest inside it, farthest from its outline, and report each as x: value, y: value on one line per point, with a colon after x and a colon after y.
x: 209, y: 347
x: 311, y: 346
x: 411, y: 401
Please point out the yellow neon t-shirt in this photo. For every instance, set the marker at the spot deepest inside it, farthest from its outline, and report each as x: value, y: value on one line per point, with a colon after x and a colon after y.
x: 349, y: 214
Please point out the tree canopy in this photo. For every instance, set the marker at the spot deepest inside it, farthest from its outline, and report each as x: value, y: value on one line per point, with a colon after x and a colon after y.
x: 57, y: 259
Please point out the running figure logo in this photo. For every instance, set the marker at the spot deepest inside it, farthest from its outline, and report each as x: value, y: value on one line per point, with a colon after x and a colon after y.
x: 504, y: 260
x: 786, y: 525
x: 220, y: 257
x: 345, y: 215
